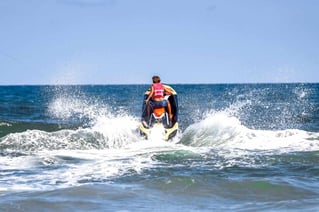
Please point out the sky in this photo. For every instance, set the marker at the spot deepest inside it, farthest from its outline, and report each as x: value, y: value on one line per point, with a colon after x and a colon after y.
x: 182, y: 41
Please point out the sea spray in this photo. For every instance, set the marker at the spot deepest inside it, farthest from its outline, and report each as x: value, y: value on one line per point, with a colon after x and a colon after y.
x: 234, y: 139
x: 218, y: 130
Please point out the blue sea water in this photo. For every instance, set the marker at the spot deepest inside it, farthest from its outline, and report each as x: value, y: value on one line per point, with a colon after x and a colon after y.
x: 240, y: 147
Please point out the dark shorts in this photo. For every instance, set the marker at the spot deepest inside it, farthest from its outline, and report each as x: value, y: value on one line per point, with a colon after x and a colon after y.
x: 156, y: 104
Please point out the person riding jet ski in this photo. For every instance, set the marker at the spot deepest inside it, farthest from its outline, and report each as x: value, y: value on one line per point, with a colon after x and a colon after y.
x: 156, y: 97
x: 159, y: 111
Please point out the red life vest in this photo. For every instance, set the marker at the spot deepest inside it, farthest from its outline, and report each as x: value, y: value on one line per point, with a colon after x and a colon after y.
x: 158, y: 90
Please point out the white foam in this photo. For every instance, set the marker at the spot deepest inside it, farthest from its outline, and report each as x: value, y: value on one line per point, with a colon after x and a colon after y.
x: 121, y: 129
x: 157, y: 133
x: 219, y: 130
x: 102, y: 128
x: 109, y: 145
x: 5, y: 124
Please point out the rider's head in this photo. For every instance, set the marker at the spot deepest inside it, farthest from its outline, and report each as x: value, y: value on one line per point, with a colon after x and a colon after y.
x: 156, y: 79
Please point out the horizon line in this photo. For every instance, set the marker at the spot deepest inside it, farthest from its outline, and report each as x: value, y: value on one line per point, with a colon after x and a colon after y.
x: 187, y: 83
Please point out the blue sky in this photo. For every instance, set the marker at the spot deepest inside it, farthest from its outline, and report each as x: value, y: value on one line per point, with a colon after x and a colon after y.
x: 183, y: 41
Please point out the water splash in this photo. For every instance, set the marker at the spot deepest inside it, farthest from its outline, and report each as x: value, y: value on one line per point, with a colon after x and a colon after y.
x: 74, y: 106
x: 219, y: 130
x: 97, y: 126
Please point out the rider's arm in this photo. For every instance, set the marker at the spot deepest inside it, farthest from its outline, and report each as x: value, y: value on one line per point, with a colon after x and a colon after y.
x: 150, y: 94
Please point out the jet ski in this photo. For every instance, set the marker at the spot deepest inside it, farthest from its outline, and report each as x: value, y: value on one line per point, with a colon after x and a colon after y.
x: 158, y: 120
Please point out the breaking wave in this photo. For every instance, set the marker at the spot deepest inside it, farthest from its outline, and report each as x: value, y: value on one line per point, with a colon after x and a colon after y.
x: 99, y: 128
x: 219, y: 130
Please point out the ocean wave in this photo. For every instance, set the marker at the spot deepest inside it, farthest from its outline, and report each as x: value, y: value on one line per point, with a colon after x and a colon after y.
x: 106, y: 133
x: 5, y: 124
x: 7, y: 127
x: 219, y: 130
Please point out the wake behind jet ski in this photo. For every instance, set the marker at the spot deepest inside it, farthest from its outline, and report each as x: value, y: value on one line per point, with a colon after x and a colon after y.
x: 159, y: 111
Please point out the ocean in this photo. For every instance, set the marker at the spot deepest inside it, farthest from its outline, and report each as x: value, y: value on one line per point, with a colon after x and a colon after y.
x: 240, y: 147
